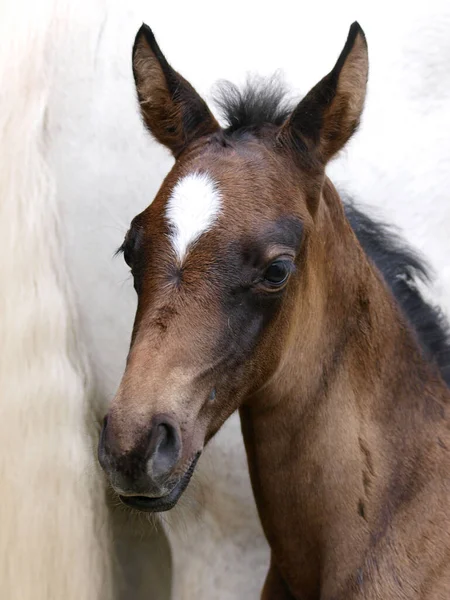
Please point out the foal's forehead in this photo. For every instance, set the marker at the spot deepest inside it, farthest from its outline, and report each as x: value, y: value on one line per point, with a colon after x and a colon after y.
x: 246, y: 176
x: 192, y: 209
x: 236, y: 193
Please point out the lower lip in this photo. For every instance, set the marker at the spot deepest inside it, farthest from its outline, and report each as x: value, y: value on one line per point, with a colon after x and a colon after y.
x: 146, y: 504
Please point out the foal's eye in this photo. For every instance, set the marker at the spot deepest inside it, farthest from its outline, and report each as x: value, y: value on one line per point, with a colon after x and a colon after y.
x: 127, y: 255
x: 130, y: 243
x: 277, y: 274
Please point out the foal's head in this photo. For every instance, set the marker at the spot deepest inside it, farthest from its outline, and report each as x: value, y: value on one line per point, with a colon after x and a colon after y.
x: 219, y: 263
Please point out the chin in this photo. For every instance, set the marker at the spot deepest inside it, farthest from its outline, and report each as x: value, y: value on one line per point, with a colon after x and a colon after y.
x: 162, y: 503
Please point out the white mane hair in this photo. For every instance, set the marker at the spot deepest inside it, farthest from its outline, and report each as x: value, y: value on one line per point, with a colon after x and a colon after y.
x: 76, y: 164
x: 55, y: 540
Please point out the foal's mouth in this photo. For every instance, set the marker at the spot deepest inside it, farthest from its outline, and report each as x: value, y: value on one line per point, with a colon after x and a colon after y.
x: 163, y: 503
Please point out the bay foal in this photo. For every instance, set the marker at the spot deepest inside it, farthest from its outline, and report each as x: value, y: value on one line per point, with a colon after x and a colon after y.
x: 254, y: 293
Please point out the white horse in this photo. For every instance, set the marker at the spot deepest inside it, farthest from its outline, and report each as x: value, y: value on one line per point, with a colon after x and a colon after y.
x: 75, y: 166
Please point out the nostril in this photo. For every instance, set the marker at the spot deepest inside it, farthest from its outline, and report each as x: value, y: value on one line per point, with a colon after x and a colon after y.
x: 167, y: 436
x: 152, y: 456
x: 164, y: 447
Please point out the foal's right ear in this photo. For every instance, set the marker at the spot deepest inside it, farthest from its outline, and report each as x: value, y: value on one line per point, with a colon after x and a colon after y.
x: 172, y: 110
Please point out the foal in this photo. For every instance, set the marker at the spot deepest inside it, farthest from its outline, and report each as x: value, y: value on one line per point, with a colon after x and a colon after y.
x: 254, y: 293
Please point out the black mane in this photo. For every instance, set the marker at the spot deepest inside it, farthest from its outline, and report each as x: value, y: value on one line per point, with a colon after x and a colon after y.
x: 402, y: 269
x: 260, y: 102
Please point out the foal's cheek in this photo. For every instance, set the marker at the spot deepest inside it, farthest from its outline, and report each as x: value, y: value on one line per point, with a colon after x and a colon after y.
x: 242, y: 353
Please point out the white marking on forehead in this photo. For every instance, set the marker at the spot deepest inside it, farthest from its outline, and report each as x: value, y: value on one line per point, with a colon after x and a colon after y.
x: 191, y: 210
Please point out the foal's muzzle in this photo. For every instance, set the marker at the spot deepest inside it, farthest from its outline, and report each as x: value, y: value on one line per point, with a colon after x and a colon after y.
x: 144, y: 476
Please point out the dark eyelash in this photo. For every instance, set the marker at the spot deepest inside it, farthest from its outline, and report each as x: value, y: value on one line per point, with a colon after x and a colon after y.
x: 130, y: 244
x: 124, y: 249
x: 120, y: 249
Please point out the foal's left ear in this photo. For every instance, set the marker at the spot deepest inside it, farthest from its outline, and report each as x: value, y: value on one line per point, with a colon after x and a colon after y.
x: 172, y: 110
x: 329, y: 114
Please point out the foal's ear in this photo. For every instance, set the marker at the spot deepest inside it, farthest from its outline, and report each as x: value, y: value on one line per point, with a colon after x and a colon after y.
x: 330, y: 113
x: 172, y: 110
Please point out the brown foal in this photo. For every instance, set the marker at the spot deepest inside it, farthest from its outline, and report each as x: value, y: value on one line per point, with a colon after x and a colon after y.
x: 254, y: 294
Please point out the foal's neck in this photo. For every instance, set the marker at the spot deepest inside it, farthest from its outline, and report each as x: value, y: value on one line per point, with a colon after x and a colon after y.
x: 336, y: 439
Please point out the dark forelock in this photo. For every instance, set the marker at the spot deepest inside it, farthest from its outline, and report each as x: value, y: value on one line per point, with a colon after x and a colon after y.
x: 259, y: 103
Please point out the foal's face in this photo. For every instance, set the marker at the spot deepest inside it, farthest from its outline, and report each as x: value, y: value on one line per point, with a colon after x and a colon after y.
x: 216, y: 261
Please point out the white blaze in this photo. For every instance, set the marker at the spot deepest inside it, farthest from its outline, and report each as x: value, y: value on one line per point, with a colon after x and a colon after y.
x: 191, y: 210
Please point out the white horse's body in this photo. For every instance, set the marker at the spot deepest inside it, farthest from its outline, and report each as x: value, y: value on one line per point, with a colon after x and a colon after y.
x: 75, y: 166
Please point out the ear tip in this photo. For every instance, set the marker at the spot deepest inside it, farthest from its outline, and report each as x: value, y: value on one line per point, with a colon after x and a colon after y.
x: 144, y: 34
x: 355, y: 31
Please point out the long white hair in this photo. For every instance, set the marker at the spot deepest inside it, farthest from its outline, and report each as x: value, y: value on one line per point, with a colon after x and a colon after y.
x: 54, y: 536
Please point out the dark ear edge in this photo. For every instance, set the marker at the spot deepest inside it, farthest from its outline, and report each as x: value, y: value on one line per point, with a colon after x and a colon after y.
x: 147, y: 34
x: 172, y: 110
x: 330, y: 113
